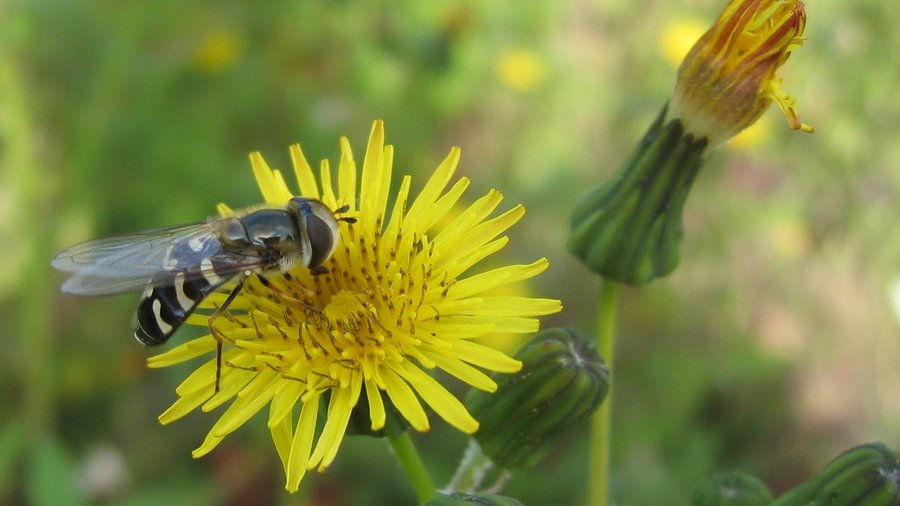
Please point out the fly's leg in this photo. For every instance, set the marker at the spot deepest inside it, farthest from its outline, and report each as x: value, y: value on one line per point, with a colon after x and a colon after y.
x: 216, y: 334
x: 288, y: 297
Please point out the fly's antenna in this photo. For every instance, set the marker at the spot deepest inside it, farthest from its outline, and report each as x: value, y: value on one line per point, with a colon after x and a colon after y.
x: 341, y: 210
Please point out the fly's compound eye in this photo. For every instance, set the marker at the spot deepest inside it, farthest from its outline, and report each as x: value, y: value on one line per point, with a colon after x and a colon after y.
x: 321, y: 240
x: 321, y: 229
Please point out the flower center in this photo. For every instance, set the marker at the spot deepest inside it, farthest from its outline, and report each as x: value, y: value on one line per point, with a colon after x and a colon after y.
x: 344, y: 309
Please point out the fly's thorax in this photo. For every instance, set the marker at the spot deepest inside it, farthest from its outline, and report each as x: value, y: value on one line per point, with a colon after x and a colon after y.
x: 232, y: 233
x: 275, y: 235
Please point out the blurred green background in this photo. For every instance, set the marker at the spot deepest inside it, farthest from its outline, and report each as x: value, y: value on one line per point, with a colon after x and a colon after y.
x: 772, y: 348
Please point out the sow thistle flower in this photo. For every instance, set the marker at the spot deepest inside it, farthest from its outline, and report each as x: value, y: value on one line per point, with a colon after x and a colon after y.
x: 728, y: 78
x: 398, y: 301
x: 629, y: 229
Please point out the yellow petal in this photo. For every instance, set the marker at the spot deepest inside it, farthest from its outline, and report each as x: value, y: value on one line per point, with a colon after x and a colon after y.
x: 284, y: 402
x: 302, y: 444
x: 433, y: 188
x: 281, y: 430
x: 303, y: 172
x: 340, y: 407
x: 338, y: 417
x: 347, y: 175
x: 484, y: 356
x: 272, y: 185
x: 501, y: 306
x: 184, y: 352
x: 440, y: 400
x: 209, y: 444
x: 403, y: 398
x: 377, y: 414
x: 258, y: 394
x: 328, y: 195
x: 183, y: 406
x: 454, y: 232
x: 463, y: 371
x: 372, y: 177
x: 495, y: 278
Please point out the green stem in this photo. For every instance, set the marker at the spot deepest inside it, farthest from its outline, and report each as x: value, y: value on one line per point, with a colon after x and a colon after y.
x: 471, y: 470
x: 598, y: 492
x: 412, y: 464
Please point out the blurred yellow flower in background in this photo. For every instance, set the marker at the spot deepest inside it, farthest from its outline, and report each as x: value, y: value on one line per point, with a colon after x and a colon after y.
x: 520, y: 69
x: 397, y: 301
x: 218, y: 50
x: 752, y: 136
x: 678, y: 37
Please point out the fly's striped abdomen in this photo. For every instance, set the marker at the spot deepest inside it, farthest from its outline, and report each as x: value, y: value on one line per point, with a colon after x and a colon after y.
x: 189, y: 275
x: 164, y: 307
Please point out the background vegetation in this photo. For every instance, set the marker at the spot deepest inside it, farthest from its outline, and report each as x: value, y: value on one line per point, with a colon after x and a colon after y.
x: 773, y: 347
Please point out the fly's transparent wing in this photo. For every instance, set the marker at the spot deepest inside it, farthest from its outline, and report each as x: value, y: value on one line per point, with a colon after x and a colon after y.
x: 81, y: 284
x: 141, y: 253
x: 133, y: 261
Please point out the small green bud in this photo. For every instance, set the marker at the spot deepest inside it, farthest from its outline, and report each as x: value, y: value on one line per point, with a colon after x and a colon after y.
x: 461, y: 499
x: 629, y: 229
x: 562, y: 381
x: 866, y: 475
x: 731, y: 489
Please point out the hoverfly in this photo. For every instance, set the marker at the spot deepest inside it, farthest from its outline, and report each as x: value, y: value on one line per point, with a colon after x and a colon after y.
x: 180, y: 266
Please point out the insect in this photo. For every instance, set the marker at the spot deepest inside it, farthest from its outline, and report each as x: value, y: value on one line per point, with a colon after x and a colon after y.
x: 180, y: 266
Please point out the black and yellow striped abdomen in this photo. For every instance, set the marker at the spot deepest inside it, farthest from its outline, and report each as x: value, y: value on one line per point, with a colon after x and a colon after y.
x: 167, y: 303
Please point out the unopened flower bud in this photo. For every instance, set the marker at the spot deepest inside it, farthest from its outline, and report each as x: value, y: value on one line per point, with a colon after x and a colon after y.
x: 563, y: 380
x: 866, y: 475
x: 629, y: 229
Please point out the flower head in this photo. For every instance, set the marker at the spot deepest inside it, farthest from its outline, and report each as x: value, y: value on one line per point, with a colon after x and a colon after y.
x: 397, y: 301
x: 728, y: 78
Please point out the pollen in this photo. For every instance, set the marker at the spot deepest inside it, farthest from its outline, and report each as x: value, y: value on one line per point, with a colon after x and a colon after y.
x: 345, y: 310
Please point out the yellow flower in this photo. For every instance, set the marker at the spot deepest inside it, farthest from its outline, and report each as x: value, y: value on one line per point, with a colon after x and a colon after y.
x: 399, y: 301
x: 728, y: 78
x: 218, y: 51
x: 678, y: 38
x: 751, y: 137
x: 520, y: 69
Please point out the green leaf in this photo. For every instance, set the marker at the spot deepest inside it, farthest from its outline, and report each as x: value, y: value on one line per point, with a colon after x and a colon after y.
x: 12, y: 444
x: 51, y: 475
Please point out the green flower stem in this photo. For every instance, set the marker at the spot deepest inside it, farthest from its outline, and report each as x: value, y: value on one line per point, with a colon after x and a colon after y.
x: 598, y: 492
x: 500, y: 482
x: 412, y: 464
x: 471, y: 470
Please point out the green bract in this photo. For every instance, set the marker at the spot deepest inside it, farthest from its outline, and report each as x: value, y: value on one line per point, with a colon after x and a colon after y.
x: 629, y: 229
x: 562, y: 382
x: 866, y: 475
